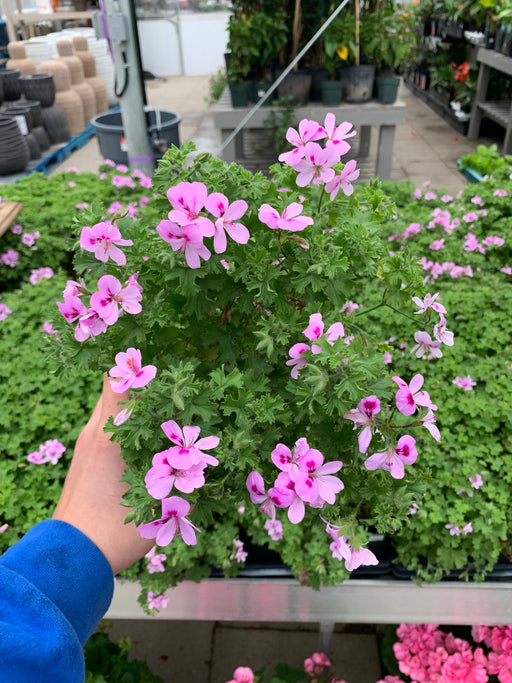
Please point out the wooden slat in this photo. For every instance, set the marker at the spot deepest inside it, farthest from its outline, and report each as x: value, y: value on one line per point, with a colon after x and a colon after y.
x: 9, y: 211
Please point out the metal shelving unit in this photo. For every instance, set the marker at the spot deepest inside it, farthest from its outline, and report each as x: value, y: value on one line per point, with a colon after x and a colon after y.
x: 12, y: 19
x: 373, y: 601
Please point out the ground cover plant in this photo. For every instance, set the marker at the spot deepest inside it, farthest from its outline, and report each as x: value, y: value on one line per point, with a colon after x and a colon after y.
x: 255, y: 392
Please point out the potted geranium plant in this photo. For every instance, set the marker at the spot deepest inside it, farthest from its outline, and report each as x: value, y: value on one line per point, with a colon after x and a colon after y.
x: 230, y: 319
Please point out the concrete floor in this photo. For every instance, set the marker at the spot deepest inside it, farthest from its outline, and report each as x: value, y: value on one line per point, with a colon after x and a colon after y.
x: 426, y: 149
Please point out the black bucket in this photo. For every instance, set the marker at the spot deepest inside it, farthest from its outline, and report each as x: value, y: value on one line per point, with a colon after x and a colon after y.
x: 163, y: 125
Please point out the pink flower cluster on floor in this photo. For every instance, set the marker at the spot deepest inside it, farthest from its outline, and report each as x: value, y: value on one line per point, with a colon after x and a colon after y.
x: 50, y: 451
x: 37, y: 274
x: 465, y: 383
x: 4, y: 311
x: 304, y: 479
x: 105, y: 305
x: 10, y: 258
x: 425, y: 345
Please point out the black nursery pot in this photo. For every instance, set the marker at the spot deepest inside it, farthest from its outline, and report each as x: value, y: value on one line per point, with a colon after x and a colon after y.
x: 55, y: 124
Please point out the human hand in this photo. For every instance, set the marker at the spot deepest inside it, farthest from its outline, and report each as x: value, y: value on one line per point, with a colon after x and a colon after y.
x: 91, y: 498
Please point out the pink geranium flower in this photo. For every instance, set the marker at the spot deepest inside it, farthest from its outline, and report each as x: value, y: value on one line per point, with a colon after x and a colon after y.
x: 130, y: 371
x: 429, y: 422
x: 111, y: 294
x: 429, y: 301
x: 343, y: 181
x: 337, y: 135
x: 173, y: 522
x: 313, y: 480
x: 289, y: 220
x: 409, y: 396
x: 393, y: 459
x: 157, y: 601
x: 308, y: 131
x: 188, y: 450
x: 243, y: 674
x: 104, y: 240
x: 425, y: 345
x: 362, y: 416
x: 4, y: 311
x: 188, y: 200
x: 316, y: 166
x: 284, y: 495
x: 363, y: 556
x: 227, y: 215
x: 274, y: 528
x: 297, y: 361
x: 465, y: 383
x: 188, y: 239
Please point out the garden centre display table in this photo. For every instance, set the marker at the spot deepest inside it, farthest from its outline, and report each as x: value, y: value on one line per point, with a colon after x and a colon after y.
x: 9, y: 211
x: 372, y: 601
x: 501, y: 111
x: 365, y: 115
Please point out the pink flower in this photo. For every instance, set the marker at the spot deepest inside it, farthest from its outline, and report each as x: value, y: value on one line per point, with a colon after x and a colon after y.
x: 161, y: 478
x: 129, y: 369
x: 284, y: 495
x: 227, y: 214
x: 316, y: 663
x: 476, y: 481
x: 109, y: 162
x: 296, y: 359
x: 429, y: 422
x: 188, y: 239
x: 188, y: 450
x: 472, y: 244
x: 507, y: 270
x: 122, y: 167
x: 50, y: 451
x: 284, y: 459
x: 363, y: 556
x: 308, y: 131
x: 40, y: 274
x: 4, y: 311
x: 429, y: 302
x: 393, y: 459
x: 362, y: 416
x: 344, y: 180
x: 115, y: 207
x: 122, y: 416
x: 187, y: 200
x: 289, y: 220
x: 337, y: 135
x: 3, y: 528
x: 111, y: 294
x: 47, y: 327
x: 430, y: 195
x: 274, y: 529
x: 465, y: 383
x: 173, y: 522
x: 242, y: 674
x: 494, y: 239
x: 424, y: 344
x: 500, y: 193
x: 239, y: 555
x: 10, y: 258
x: 437, y: 245
x: 409, y: 396
x: 82, y: 205
x: 72, y: 308
x: 387, y: 358
x: 454, y: 530
x: 89, y: 325
x: 470, y: 217
x: 349, y: 307
x: 122, y: 181
x: 477, y: 200
x: 155, y: 561
x: 104, y: 239
x: 316, y: 165
x: 313, y: 480
x: 17, y: 229
x: 157, y: 601
x: 416, y: 194
x: 442, y: 334
x: 446, y: 198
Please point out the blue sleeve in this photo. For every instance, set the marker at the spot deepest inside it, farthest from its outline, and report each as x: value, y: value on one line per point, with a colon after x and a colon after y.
x: 55, y: 586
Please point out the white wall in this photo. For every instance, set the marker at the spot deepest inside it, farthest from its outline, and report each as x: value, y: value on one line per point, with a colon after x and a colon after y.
x: 204, y: 37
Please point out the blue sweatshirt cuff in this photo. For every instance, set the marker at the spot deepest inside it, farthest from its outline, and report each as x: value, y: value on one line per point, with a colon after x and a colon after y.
x: 69, y: 569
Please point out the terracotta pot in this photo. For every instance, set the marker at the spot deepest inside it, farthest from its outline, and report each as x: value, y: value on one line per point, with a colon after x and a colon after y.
x: 16, y: 50
x: 86, y: 94
x: 100, y: 93
x: 65, y: 50
x: 60, y: 72
x: 18, y: 59
x: 39, y: 87
x: 71, y: 104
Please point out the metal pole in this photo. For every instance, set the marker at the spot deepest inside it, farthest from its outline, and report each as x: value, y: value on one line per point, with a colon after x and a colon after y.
x: 123, y: 44
x: 281, y: 78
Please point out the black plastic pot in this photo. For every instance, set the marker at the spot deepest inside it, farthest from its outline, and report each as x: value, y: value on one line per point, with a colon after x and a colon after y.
x: 240, y: 94
x: 387, y: 89
x: 357, y: 82
x: 39, y: 87
x: 296, y: 86
x: 33, y: 146
x: 42, y: 138
x: 331, y: 93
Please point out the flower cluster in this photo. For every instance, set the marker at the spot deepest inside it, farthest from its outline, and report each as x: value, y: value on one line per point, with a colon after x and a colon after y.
x: 182, y: 467
x: 313, y: 332
x: 425, y: 345
x: 186, y: 227
x: 304, y: 480
x: 156, y: 561
x: 50, y: 451
x: 105, y: 305
x: 103, y: 240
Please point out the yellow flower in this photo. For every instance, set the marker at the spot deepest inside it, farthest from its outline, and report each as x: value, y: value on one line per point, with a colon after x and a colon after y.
x: 342, y: 52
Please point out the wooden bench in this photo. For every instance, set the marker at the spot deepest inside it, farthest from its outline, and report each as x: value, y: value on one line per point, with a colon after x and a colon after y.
x: 365, y: 115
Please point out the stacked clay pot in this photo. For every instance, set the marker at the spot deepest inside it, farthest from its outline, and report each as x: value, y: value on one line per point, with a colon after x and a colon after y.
x: 10, y: 84
x: 66, y: 98
x: 18, y: 59
x: 88, y: 60
x: 19, y: 110
x: 78, y: 84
